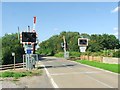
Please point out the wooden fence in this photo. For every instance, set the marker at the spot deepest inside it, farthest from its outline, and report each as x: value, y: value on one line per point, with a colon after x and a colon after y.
x: 92, y: 58
x: 11, y: 66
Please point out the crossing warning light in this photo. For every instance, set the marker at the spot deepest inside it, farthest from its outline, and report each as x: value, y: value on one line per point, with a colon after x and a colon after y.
x: 28, y: 36
x: 82, y: 42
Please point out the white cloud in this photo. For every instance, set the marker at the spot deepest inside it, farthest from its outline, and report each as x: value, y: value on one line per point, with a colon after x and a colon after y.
x: 115, y: 10
x: 115, y: 29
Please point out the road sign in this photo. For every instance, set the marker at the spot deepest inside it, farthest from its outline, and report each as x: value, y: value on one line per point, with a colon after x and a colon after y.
x: 13, y: 54
x: 82, y: 42
x: 82, y: 49
x: 29, y: 51
x: 28, y: 36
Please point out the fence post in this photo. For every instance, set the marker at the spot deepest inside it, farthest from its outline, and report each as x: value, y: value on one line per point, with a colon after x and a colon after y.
x: 101, y: 58
x: 23, y: 61
x: 88, y: 57
x: 92, y: 57
x: 14, y: 62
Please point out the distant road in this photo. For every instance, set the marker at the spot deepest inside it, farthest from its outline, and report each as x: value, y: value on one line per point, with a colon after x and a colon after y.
x: 66, y: 74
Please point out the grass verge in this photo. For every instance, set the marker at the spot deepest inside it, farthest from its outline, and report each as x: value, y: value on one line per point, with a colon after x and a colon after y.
x: 110, y: 67
x: 17, y: 74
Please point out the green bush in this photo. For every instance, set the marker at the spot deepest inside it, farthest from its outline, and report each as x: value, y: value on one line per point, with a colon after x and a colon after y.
x: 20, y: 74
x: 74, y: 54
x: 7, y: 74
x: 116, y: 54
x: 60, y: 54
x: 105, y: 53
x: 17, y: 75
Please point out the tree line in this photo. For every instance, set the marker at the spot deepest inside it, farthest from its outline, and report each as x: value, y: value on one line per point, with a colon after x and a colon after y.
x: 9, y: 43
x: 97, y: 42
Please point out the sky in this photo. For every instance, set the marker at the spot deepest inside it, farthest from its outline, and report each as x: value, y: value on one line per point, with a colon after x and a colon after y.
x: 55, y: 17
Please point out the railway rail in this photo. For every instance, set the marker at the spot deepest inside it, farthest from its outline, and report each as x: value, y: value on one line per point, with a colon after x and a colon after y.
x: 11, y: 66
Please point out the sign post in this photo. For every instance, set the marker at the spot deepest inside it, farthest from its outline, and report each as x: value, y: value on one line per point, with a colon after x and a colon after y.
x: 13, y: 54
x: 29, y: 41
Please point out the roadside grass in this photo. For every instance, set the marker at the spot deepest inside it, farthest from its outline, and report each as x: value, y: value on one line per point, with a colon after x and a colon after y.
x: 16, y: 74
x: 110, y: 67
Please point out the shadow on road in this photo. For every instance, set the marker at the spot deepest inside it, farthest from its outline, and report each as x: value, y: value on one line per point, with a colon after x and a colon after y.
x: 51, y: 66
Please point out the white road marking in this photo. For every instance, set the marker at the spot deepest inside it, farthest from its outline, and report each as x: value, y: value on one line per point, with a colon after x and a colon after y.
x: 97, y: 69
x: 55, y: 74
x: 56, y: 86
x: 99, y: 81
x: 49, y: 76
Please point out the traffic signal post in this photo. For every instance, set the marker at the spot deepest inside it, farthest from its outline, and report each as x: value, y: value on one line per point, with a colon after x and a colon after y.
x: 29, y: 41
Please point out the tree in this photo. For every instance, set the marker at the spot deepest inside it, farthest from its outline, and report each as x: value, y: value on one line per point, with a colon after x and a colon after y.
x: 11, y: 44
x: 109, y: 41
x: 97, y: 42
x: 53, y: 44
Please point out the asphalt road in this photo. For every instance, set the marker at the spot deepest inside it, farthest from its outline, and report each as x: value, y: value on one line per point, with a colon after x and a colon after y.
x: 67, y: 74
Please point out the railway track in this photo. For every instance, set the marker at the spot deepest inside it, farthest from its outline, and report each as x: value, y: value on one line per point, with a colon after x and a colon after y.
x: 11, y: 66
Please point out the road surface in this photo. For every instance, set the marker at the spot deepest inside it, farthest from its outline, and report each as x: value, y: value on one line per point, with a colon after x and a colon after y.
x: 67, y: 74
